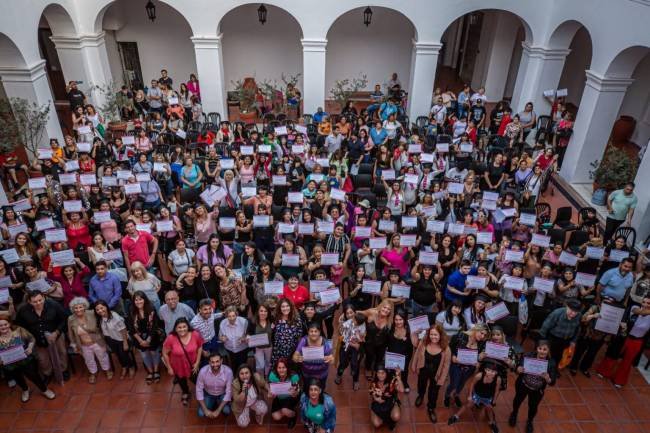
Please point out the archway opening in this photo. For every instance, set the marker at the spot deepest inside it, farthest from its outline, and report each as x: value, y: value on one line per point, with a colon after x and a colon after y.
x: 376, y: 51
x: 483, y: 49
x: 270, y: 54
x: 576, y: 38
x: 139, y: 49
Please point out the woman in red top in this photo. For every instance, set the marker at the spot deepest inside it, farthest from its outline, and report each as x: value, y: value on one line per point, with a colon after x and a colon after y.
x: 471, y: 131
x: 71, y: 280
x: 545, y: 159
x: 182, y: 355
x: 296, y: 293
x: 76, y: 228
x: 86, y: 164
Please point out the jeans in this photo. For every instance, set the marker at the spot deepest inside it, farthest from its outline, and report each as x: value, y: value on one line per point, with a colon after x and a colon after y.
x: 428, y: 378
x: 458, y: 376
x: 150, y: 359
x: 419, y: 310
x: 212, y: 402
x: 585, y: 353
x: 349, y: 356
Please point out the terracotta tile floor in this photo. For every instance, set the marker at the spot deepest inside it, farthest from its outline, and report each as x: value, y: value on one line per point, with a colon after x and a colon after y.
x: 574, y: 405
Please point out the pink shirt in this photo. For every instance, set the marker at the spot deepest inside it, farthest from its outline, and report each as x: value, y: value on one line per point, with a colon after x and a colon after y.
x: 396, y: 259
x: 204, y: 228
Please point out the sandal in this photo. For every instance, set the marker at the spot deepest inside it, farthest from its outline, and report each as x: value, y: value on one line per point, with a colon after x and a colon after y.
x: 156, y: 377
x: 123, y: 373
x: 185, y: 400
x: 149, y: 379
x: 109, y: 374
x: 355, y: 386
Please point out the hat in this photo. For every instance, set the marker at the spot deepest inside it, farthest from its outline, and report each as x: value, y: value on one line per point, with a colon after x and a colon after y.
x: 364, y: 203
x: 574, y: 305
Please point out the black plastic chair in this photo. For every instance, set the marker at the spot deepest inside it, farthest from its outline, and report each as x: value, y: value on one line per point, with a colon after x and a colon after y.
x: 558, y: 236
x: 563, y: 218
x: 281, y: 117
x: 214, y: 118
x: 308, y: 119
x: 577, y: 239
x: 421, y: 122
x: 362, y: 181
x: 365, y: 168
x: 627, y: 232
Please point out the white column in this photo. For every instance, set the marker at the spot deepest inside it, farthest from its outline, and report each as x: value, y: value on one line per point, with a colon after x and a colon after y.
x: 313, y: 73
x: 424, y: 61
x: 540, y: 69
x: 600, y: 104
x: 209, y: 67
x: 641, y: 219
x: 84, y: 58
x: 497, y: 64
x: 31, y: 84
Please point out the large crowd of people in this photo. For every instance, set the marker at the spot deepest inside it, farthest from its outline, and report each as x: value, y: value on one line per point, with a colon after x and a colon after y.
x: 257, y: 264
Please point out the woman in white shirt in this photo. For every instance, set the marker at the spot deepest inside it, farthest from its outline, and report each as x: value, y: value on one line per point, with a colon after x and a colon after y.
x: 391, y: 126
x: 232, y: 333
x: 143, y: 281
x: 451, y: 320
x: 395, y: 196
x: 180, y: 259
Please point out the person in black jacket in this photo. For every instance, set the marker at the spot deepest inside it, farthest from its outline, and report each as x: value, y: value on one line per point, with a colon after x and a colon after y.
x: 532, y: 385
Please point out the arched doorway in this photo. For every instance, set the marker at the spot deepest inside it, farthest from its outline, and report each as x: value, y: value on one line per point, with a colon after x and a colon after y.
x: 483, y: 49
x: 377, y: 51
x: 138, y: 49
x: 574, y: 36
x: 270, y: 53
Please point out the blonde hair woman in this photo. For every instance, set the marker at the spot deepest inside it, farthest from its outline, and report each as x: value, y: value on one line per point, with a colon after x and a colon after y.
x: 380, y: 319
x: 143, y: 281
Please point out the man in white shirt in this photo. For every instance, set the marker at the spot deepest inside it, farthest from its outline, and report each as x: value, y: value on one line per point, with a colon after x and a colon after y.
x: 333, y: 141
x: 479, y: 95
x: 439, y: 112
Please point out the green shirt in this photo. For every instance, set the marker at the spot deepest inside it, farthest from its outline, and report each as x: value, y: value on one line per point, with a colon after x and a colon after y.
x: 316, y: 414
x: 294, y: 379
x: 621, y: 203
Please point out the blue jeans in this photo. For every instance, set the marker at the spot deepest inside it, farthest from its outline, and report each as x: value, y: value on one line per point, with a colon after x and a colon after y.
x: 212, y: 402
x: 419, y: 310
x: 458, y: 375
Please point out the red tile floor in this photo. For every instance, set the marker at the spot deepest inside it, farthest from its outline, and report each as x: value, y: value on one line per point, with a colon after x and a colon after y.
x: 574, y: 405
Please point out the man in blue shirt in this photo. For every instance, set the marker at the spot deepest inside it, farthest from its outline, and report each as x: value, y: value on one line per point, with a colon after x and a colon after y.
x: 456, y: 283
x: 616, y: 282
x: 106, y: 287
x: 387, y: 108
x: 319, y: 114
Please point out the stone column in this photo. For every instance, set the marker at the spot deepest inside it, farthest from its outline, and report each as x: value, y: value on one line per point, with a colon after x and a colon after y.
x: 313, y: 72
x: 209, y: 66
x: 424, y: 61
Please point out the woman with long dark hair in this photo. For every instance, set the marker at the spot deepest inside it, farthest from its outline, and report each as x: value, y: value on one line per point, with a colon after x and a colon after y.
x: 287, y: 331
x: 317, y: 409
x: 214, y: 252
x: 285, y: 406
x: 249, y: 392
x: 402, y: 342
x: 181, y: 354
x: 146, y: 333
x: 452, y: 319
x: 116, y: 336
x: 384, y: 390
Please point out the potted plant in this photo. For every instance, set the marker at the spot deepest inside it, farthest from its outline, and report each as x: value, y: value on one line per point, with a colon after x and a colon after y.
x: 246, y: 94
x: 343, y: 90
x: 611, y: 173
x: 22, y: 124
x: 110, y: 109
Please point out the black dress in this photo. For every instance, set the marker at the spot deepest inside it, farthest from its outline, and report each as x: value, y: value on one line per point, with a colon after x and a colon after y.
x: 403, y: 347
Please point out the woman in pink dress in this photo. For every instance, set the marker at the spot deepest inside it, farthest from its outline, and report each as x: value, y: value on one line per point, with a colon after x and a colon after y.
x: 182, y: 355
x: 396, y: 257
x: 193, y: 86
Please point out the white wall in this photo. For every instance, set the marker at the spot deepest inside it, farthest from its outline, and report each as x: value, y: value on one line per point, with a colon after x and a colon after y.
x: 573, y: 75
x: 637, y: 102
x: 378, y: 50
x: 165, y: 43
x: 251, y: 49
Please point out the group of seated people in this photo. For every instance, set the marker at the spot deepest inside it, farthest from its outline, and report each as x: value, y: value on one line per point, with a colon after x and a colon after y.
x: 255, y: 267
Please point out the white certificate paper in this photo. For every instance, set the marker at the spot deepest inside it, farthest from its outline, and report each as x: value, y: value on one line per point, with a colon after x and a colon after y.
x: 61, y: 258
x: 328, y: 297
x: 514, y: 256
x: 305, y: 229
x: 386, y: 225
x: 426, y: 258
x: 37, y: 183
x: 165, y: 226
x: 535, y: 366
x: 326, y: 227
x: 497, y: 350
x: 419, y: 323
x: 568, y: 258
x: 72, y: 205
x: 317, y: 286
x: 393, y: 361
x: 377, y: 243
x: 12, y: 354
x: 258, y: 340
x: 484, y: 237
x: 329, y: 259
x: 435, y: 226
x: 587, y: 280
x: 541, y: 240
x: 475, y: 282
x: 407, y: 240
x: 496, y: 312
x: 261, y: 221
x: 456, y: 229
x: 291, y: 260
x: 372, y: 287
x: 362, y: 232
x: 280, y: 388
x: 467, y: 356
x: 286, y: 228
x: 296, y: 197
x: 313, y: 353
x: 273, y: 287
x: 595, y: 253
x: 56, y: 235
x: 455, y: 188
x: 88, y: 179
x: 102, y: 217
x: 41, y: 285
x: 132, y: 188
x: 528, y: 219
x: 610, y: 319
x: 227, y: 223
x: 400, y: 291
x: 544, y: 285
x: 513, y: 283
x: 409, y: 221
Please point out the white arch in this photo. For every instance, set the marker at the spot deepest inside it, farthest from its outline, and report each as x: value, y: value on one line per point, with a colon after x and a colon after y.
x: 564, y: 33
x: 374, y: 8
x: 59, y: 19
x: 10, y: 54
x: 103, y: 6
x: 271, y: 10
x: 624, y: 63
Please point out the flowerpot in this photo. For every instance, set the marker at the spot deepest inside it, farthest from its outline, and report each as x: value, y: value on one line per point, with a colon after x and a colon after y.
x: 248, y: 117
x: 623, y: 129
x: 117, y: 126
x: 599, y: 197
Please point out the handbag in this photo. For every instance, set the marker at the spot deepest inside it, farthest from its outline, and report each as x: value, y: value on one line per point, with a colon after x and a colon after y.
x: 193, y: 375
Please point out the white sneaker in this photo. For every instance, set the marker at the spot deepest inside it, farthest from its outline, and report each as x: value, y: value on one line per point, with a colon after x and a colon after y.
x: 11, y: 383
x: 49, y: 394
x: 24, y: 396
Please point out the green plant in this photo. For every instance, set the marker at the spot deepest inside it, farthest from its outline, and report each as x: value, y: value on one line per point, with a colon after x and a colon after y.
x: 344, y: 89
x: 246, y: 96
x: 110, y: 108
x: 614, y: 170
x: 22, y: 123
x: 272, y: 91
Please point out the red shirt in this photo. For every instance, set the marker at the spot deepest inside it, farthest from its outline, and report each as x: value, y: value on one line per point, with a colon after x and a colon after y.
x: 298, y: 296
x: 137, y: 249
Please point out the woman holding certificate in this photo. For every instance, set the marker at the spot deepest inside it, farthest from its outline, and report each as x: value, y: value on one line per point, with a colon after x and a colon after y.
x: 385, y: 407
x: 314, y: 354
x: 431, y: 363
x: 483, y: 392
x: 287, y: 331
x: 465, y: 347
x: 284, y: 390
x: 17, y: 359
x: 536, y: 370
